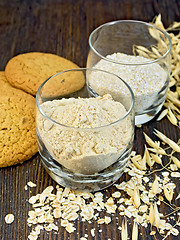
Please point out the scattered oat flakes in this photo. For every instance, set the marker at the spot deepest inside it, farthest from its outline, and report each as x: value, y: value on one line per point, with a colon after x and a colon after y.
x: 101, y: 221
x: 31, y: 184
x: 107, y: 220
x: 165, y: 174
x: 70, y: 228
x: 64, y: 223
x: 48, y: 190
x: 146, y: 179
x: 33, y: 199
x: 116, y: 194
x: 9, y: 218
x: 143, y: 208
x: 175, y: 174
x: 93, y: 232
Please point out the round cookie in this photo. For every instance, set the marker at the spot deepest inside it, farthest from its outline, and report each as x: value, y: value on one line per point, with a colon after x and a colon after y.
x: 57, y: 85
x: 3, y: 81
x: 7, y: 88
x: 27, y: 71
x: 17, y: 128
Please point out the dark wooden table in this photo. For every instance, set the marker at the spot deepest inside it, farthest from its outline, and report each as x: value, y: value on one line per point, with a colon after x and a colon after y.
x: 62, y: 27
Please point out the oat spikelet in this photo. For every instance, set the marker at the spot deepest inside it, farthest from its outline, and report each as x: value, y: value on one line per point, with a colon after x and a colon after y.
x: 176, y: 161
x: 163, y: 114
x: 138, y: 164
x: 172, y: 82
x: 124, y: 233
x: 170, y: 142
x: 143, y: 49
x: 157, y: 216
x: 135, y: 231
x: 150, y: 141
x: 149, y: 161
x: 172, y: 107
x: 168, y: 193
x: 158, y: 22
x: 151, y: 215
x: 158, y: 151
x: 155, y: 51
x: 154, y: 34
x: 173, y: 26
x: 156, y: 158
x: 173, y: 145
x: 171, y: 100
x: 172, y: 96
x: 155, y: 186
x: 144, y: 162
x: 136, y: 198
x: 171, y: 117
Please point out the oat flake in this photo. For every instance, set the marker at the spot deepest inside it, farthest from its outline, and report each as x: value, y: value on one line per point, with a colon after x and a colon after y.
x: 9, y: 218
x: 31, y: 184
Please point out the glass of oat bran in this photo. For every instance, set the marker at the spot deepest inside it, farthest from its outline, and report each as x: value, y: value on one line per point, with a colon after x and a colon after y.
x: 84, y: 138
x: 139, y: 53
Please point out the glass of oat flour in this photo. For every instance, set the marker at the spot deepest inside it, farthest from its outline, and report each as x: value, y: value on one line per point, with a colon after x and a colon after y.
x: 84, y: 141
x: 139, y: 53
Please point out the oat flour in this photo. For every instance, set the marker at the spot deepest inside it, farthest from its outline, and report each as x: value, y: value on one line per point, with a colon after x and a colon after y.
x: 85, y: 146
x: 145, y: 80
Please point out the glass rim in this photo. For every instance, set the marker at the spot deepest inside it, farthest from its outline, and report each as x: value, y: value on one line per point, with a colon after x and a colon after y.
x: 129, y: 21
x: 82, y: 129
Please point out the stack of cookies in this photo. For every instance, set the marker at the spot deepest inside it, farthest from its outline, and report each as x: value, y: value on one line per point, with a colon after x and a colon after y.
x: 18, y: 85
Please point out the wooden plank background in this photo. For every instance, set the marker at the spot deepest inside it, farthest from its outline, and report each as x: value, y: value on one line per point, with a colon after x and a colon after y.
x: 62, y: 27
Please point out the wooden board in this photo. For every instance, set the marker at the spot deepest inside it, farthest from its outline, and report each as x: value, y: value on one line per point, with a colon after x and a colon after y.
x: 63, y: 27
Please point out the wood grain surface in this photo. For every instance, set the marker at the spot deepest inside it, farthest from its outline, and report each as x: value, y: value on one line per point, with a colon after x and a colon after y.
x: 63, y: 27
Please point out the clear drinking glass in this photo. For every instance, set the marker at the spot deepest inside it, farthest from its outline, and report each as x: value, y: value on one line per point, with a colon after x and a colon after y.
x: 137, y: 52
x: 77, y: 146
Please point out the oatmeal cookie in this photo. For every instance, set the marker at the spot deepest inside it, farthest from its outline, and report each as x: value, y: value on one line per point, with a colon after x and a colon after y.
x: 27, y: 71
x: 7, y: 88
x: 17, y: 125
